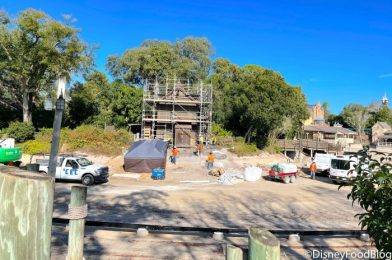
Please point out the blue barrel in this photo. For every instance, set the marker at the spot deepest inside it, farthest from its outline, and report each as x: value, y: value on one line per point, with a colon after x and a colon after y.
x: 158, y: 174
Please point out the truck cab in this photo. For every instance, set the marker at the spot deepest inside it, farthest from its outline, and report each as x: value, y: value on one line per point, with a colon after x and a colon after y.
x: 343, y: 169
x: 76, y: 168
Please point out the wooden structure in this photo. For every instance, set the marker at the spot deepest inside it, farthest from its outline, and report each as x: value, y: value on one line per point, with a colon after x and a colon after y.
x: 381, y: 134
x: 26, y: 206
x: 177, y: 110
x: 306, y: 144
x: 76, y: 223
x: 262, y: 245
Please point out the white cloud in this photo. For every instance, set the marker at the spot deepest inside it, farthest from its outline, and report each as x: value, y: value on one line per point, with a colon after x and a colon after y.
x: 385, y: 75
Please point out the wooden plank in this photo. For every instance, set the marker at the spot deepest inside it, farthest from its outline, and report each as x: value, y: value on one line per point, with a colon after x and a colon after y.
x: 263, y: 245
x: 26, y: 207
x: 76, y: 227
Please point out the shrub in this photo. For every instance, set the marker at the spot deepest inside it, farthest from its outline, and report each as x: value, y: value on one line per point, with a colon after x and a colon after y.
x: 34, y: 146
x: 372, y: 190
x: 20, y: 131
x: 242, y: 149
x: 93, y: 139
x: 218, y: 130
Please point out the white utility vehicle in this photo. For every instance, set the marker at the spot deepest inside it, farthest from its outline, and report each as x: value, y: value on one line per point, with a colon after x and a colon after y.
x: 343, y: 169
x: 76, y: 168
x: 323, y: 162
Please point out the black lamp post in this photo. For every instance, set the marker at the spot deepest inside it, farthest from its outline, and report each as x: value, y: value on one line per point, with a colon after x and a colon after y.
x: 58, y: 116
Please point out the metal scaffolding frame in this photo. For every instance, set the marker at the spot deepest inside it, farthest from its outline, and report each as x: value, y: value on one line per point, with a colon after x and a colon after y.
x: 176, y: 101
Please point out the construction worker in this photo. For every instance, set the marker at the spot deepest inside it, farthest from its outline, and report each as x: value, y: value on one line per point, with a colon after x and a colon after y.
x: 174, y: 155
x: 313, y: 170
x: 213, y: 140
x: 201, y: 139
x: 199, y: 148
x: 210, y: 161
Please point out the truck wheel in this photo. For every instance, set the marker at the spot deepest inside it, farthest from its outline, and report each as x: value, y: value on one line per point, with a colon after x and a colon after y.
x: 286, y: 179
x: 292, y: 178
x: 88, y: 179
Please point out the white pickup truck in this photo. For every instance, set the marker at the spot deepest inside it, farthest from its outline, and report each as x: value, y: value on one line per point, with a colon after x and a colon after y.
x: 76, y: 168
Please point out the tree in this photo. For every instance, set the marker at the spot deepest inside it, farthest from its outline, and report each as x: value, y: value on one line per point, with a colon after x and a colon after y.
x: 100, y: 102
x: 327, y: 112
x: 382, y: 114
x: 86, y: 98
x: 157, y: 60
x: 356, y: 116
x: 255, y: 102
x: 372, y: 190
x: 34, y: 51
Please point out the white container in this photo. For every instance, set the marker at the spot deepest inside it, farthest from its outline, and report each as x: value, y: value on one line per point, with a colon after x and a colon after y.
x: 7, y: 143
x: 252, y: 174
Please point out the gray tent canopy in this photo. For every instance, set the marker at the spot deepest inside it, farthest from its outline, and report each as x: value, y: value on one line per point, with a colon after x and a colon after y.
x: 146, y: 155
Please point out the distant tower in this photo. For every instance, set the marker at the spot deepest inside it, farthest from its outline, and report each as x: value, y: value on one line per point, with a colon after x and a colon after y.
x: 385, y: 100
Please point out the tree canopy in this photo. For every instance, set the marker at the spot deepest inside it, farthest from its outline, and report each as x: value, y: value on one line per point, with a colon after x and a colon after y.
x: 254, y: 102
x: 102, y: 102
x: 34, y: 51
x: 157, y: 60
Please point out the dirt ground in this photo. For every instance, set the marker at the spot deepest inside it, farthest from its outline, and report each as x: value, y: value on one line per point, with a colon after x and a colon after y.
x: 129, y: 198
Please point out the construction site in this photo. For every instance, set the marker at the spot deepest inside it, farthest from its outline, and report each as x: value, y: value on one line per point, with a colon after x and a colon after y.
x: 177, y: 110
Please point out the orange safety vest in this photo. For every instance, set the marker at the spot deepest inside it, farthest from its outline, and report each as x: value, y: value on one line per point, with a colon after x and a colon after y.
x: 313, y: 168
x: 199, y: 147
x: 211, y: 158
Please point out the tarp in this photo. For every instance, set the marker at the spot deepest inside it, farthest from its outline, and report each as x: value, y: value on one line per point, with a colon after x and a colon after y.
x: 146, y: 155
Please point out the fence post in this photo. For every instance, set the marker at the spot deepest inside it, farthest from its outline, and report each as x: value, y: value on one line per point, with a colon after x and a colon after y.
x: 263, y: 245
x: 26, y: 207
x: 77, y: 213
x: 234, y: 253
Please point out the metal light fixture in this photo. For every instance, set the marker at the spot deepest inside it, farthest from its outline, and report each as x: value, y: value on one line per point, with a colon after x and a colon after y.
x: 60, y: 103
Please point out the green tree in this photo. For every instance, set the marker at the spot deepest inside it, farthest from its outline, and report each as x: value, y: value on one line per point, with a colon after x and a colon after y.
x: 157, y: 60
x: 97, y: 101
x: 35, y: 50
x: 120, y: 105
x: 372, y: 190
x: 356, y: 116
x: 382, y: 114
x: 255, y: 102
x: 86, y: 98
x: 327, y: 112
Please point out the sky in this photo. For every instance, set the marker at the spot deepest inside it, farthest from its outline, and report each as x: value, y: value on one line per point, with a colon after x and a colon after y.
x: 338, y: 51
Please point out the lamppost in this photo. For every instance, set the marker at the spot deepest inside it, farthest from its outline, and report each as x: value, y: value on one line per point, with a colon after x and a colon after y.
x: 58, y: 116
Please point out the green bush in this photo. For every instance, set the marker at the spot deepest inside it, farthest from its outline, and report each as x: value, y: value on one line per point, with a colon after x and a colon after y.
x: 242, y: 149
x: 34, y: 146
x: 372, y: 190
x: 20, y: 131
x: 218, y: 130
x: 93, y: 139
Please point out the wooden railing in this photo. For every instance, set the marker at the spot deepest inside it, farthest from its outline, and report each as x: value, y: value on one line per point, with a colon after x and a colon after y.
x: 307, y: 144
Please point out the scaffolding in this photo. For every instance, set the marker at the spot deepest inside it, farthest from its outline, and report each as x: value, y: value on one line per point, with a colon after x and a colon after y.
x: 177, y: 108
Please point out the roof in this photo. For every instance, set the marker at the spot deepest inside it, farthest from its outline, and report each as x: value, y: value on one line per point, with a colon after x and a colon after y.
x: 147, y: 149
x: 328, y: 129
x: 384, y: 125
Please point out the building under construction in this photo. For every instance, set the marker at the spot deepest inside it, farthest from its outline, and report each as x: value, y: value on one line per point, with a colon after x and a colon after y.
x: 177, y: 110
